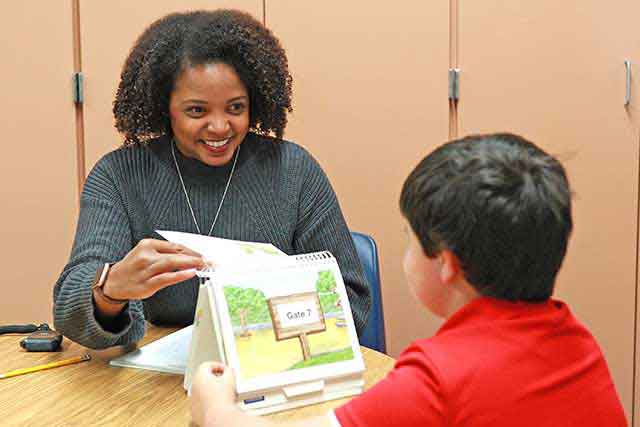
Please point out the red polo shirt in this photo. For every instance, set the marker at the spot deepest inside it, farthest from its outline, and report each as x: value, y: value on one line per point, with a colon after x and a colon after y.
x: 496, y: 363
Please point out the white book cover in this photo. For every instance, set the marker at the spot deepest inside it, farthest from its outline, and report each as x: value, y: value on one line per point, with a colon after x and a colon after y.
x: 168, y: 354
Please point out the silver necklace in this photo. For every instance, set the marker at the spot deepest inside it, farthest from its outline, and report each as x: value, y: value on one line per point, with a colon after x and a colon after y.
x: 186, y: 195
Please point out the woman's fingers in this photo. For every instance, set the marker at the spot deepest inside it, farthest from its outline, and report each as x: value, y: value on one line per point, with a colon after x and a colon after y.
x: 166, y: 263
x: 163, y: 280
x: 153, y: 265
x: 164, y: 247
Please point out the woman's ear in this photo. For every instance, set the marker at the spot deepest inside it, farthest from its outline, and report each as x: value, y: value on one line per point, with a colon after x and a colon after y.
x: 450, y: 267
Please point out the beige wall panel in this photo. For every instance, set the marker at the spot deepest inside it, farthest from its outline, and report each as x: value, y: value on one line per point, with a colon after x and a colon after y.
x: 37, y: 170
x: 108, y: 31
x: 554, y: 73
x: 634, y: 114
x: 370, y: 100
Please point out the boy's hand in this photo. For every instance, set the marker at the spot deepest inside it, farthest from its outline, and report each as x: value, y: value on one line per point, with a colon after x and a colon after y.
x: 213, y: 401
x: 213, y: 394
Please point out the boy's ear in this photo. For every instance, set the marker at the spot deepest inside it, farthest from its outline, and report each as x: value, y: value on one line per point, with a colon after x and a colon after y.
x: 450, y: 267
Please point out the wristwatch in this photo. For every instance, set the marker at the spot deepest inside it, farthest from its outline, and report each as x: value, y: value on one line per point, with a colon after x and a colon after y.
x: 98, y: 284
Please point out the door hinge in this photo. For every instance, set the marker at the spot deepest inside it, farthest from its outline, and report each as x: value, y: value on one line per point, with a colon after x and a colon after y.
x: 454, y: 84
x: 627, y: 92
x: 78, y: 90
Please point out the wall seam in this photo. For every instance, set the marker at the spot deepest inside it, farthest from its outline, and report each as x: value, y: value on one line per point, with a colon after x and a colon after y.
x: 635, y: 411
x: 79, y: 112
x: 453, y: 64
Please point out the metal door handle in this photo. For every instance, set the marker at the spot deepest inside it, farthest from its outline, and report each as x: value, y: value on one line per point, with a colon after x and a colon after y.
x: 627, y: 94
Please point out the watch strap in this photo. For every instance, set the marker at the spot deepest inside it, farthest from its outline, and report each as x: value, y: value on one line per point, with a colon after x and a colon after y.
x: 101, y: 279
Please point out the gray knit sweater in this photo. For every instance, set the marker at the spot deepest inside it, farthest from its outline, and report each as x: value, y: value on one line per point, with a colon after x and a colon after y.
x: 278, y: 194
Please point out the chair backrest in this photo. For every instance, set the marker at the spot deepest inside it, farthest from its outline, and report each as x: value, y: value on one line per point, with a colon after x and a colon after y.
x: 373, y: 334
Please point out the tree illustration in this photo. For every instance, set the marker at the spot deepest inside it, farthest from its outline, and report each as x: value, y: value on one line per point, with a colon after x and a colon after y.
x: 247, y: 306
x: 326, y: 288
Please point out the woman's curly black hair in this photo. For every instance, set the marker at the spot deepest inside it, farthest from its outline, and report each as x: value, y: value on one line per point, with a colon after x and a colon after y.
x: 179, y: 40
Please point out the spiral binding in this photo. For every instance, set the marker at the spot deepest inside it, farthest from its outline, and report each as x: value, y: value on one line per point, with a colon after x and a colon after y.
x: 314, y: 256
x: 205, y: 274
x: 208, y: 272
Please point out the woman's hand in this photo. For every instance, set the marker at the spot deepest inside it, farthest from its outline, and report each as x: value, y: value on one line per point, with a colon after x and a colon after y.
x: 213, y: 395
x: 150, y: 266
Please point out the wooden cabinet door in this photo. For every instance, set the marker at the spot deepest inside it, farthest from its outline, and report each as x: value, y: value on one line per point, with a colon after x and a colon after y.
x: 37, y: 166
x: 108, y: 31
x: 370, y: 100
x: 553, y: 72
x: 633, y: 109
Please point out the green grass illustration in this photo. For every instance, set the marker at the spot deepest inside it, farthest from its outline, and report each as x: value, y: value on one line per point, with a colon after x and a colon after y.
x: 260, y: 354
x: 321, y: 359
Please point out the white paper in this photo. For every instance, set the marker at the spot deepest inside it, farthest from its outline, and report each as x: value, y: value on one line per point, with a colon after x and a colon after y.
x: 225, y: 253
x: 168, y: 354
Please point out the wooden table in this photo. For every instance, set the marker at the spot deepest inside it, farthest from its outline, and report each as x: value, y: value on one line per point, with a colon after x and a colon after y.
x: 94, y: 393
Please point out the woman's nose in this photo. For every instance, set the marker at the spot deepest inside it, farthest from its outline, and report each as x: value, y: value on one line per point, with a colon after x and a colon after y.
x: 219, y: 126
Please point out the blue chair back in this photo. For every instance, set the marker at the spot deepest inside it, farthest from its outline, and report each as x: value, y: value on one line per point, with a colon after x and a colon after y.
x: 373, y: 334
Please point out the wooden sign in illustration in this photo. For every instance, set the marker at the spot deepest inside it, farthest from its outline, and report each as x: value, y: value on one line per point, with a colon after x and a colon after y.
x: 297, y: 315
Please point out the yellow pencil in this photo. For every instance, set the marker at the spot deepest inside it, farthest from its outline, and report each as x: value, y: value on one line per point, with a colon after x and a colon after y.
x: 64, y: 362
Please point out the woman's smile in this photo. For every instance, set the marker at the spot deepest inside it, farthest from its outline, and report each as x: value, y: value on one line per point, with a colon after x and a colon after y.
x: 215, y: 144
x: 209, y: 111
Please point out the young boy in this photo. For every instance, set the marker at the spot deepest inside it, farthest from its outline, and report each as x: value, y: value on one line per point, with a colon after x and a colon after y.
x: 488, y: 219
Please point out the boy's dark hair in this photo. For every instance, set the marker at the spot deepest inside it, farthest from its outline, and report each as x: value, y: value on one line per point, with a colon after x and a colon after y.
x: 179, y: 40
x: 501, y: 205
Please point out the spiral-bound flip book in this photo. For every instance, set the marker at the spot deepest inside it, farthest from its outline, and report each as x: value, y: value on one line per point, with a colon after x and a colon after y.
x: 283, y: 323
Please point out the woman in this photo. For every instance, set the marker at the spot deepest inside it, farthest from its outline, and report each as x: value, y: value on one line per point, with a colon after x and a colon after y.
x: 202, y: 105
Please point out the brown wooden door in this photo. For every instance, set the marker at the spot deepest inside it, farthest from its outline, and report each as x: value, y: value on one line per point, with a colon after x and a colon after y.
x: 108, y: 31
x: 554, y: 72
x: 37, y: 166
x: 633, y: 109
x: 370, y: 100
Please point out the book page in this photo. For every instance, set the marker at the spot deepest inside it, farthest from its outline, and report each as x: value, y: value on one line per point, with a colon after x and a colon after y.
x: 206, y: 339
x: 287, y: 325
x: 168, y: 354
x: 226, y: 253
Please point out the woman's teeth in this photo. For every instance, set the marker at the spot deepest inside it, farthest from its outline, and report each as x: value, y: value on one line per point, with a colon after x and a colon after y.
x: 216, y: 144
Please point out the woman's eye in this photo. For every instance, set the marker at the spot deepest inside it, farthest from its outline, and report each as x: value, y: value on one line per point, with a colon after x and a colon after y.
x: 237, y: 107
x: 195, y: 110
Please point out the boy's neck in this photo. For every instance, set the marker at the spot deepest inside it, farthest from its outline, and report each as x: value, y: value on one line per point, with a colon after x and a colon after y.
x: 463, y: 295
